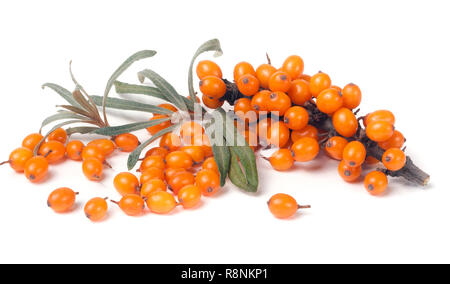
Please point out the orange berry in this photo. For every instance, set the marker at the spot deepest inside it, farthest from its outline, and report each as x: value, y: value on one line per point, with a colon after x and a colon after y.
x: 131, y: 204
x: 74, y: 149
x: 158, y: 127
x: 307, y: 131
x: 394, y: 159
x: 92, y: 169
x: 305, y: 149
x: 396, y: 141
x: 126, y: 183
x: 208, y: 182
x: 59, y: 135
x: 170, y: 141
x: 376, y: 182
x: 335, y: 147
x: 181, y: 179
x: 36, y: 168
x: 179, y: 159
x: 329, y: 101
x: 354, y: 153
x: 371, y: 160
x: 351, y: 95
x: 263, y: 129
x: 107, y: 146
x: 126, y: 142
x: 54, y: 151
x: 278, y: 134
x: 195, y: 152
x: 191, y: 130
x: 213, y: 87
x: 32, y: 140
x: 248, y: 85
x: 263, y: 73
x: 92, y: 152
x: 284, y: 206
x: 280, y: 81
x: 244, y: 111
x: 153, y: 161
x: 293, y: 66
x: 212, y: 103
x: 348, y: 173
x: 243, y: 68
x: 336, y: 88
x: 261, y: 100
x: 161, y: 202
x: 157, y: 151
x: 278, y: 103
x: 96, y: 209
x: 189, y: 196
x: 151, y: 186
x: 61, y: 199
x: 210, y: 164
x: 379, y: 131
x: 171, y: 172
x: 296, y: 118
x: 151, y: 173
x: 305, y: 77
x: 208, y: 68
x: 318, y: 83
x: 299, y: 92
x: 282, y: 160
x: 345, y: 122
x: 379, y: 115
x: 18, y: 158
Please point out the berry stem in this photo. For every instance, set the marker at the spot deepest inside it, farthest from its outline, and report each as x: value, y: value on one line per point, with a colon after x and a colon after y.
x: 304, y: 206
x: 5, y: 162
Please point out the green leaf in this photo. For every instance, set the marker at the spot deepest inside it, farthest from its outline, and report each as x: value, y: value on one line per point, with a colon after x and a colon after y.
x: 221, y: 155
x: 126, y: 128
x: 236, y: 175
x: 166, y: 89
x: 80, y: 129
x: 130, y: 105
x: 59, y: 116
x: 127, y: 63
x: 64, y: 93
x: 210, y: 45
x: 133, y: 158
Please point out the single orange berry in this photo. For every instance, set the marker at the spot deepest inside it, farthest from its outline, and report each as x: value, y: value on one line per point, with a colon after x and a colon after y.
x: 195, y: 152
x: 379, y: 131
x: 307, y: 131
x: 336, y: 88
x: 243, y: 68
x: 329, y: 101
x: 213, y: 87
x: 170, y: 141
x: 153, y: 161
x: 62, y: 199
x: 179, y: 159
x: 394, y: 159
x: 160, y: 126
x: 261, y: 100
x: 74, y: 149
x: 59, y: 135
x: 131, y: 204
x: 351, y: 95
x: 396, y: 141
x: 244, y: 111
x: 263, y: 73
x: 354, y: 153
x: 335, y: 147
x: 18, y: 159
x: 305, y: 77
x: 280, y: 81
x: 157, y: 151
x: 161, y: 202
x: 152, y: 185
x: 107, y: 146
x: 296, y: 118
x: 32, y: 140
x: 293, y: 66
x: 278, y: 103
x: 305, y: 149
x: 126, y: 142
x: 126, y: 183
x: 345, y: 122
x: 36, y: 168
x: 189, y: 196
x: 284, y: 206
x: 181, y: 179
x: 263, y: 129
x: 151, y: 173
x: 191, y: 130
x: 208, y: 182
x: 282, y: 160
x: 92, y: 152
x: 208, y: 68
x: 348, y: 173
x: 96, y: 209
x: 212, y: 103
x: 376, y: 182
x: 248, y: 85
x: 299, y: 92
x: 278, y: 134
x: 92, y: 169
x: 318, y: 83
x: 54, y: 151
x: 379, y: 115
x: 210, y: 164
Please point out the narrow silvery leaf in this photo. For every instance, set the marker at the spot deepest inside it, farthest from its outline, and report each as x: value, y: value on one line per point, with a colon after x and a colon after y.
x: 127, y: 63
x: 130, y: 105
x: 80, y: 129
x: 59, y: 116
x: 133, y: 158
x: 64, y: 93
x: 126, y: 128
x: 221, y: 154
x: 166, y: 89
x: 210, y: 45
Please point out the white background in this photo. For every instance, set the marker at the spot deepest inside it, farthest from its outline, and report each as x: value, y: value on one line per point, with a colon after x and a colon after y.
x: 396, y: 51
